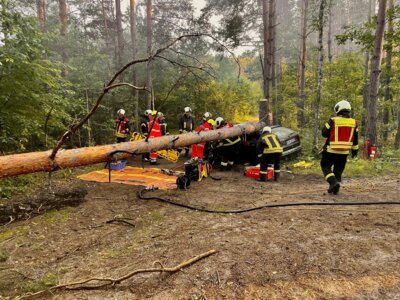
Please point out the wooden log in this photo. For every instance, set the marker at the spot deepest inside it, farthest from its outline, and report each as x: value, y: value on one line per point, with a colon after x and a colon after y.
x: 19, y: 164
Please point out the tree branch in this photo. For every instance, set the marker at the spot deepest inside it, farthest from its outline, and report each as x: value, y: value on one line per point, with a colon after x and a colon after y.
x: 105, y: 282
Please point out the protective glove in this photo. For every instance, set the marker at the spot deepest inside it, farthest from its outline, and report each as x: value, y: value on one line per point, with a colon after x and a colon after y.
x: 354, y: 153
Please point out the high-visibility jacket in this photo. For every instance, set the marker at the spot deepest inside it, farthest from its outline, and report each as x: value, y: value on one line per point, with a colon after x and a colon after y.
x: 198, y: 149
x: 144, y: 125
x: 268, y: 144
x: 122, y: 128
x: 342, y: 135
x: 156, y: 130
x: 228, y: 142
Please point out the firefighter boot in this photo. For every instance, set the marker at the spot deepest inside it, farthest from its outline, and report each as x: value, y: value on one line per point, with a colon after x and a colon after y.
x: 263, y: 178
x: 334, y: 185
x: 276, y: 176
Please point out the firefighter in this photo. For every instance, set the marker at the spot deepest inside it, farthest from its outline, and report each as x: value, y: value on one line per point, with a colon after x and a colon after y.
x: 186, y: 124
x: 208, y: 124
x: 122, y: 126
x: 227, y: 149
x: 341, y: 133
x: 154, y: 130
x: 269, y: 151
x: 163, y: 124
x: 144, y: 127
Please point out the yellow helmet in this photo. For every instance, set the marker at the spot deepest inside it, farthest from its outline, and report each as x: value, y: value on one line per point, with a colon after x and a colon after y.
x: 211, y: 122
x: 154, y: 112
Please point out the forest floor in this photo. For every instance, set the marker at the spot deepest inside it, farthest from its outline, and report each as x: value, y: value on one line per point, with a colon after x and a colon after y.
x: 305, y: 252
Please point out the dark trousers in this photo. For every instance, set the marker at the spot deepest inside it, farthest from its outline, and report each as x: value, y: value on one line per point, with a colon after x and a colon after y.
x: 228, y: 155
x: 273, y: 158
x: 121, y: 139
x: 337, y: 161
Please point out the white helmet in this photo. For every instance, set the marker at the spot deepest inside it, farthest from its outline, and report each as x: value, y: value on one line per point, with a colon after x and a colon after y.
x: 207, y: 115
x: 187, y: 109
x: 219, y: 121
x: 266, y: 129
x: 147, y: 112
x: 121, y: 111
x: 342, y: 105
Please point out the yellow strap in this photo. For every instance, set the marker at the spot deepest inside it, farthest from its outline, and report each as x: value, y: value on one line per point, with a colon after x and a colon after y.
x: 329, y: 176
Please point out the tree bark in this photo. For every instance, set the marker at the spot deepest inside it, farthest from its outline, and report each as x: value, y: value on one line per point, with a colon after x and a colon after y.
x: 317, y: 103
x: 302, y: 65
x: 264, y: 103
x: 272, y: 54
x: 18, y: 164
x: 366, y: 73
x: 63, y: 32
x: 388, y: 75
x: 120, y: 38
x: 371, y: 125
x: 134, y: 54
x: 41, y: 13
x: 149, y: 34
x: 109, y: 51
x: 330, y: 56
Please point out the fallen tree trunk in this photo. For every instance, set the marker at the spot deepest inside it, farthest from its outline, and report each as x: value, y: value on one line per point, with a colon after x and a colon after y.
x: 19, y: 164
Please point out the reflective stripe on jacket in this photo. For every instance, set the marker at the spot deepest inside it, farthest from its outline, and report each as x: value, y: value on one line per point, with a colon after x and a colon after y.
x: 122, y: 127
x: 271, y: 144
x: 342, y: 134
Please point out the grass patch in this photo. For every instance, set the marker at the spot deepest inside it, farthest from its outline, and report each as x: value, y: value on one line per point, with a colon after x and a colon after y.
x: 356, y: 167
x: 59, y: 216
x: 48, y: 280
x: 17, y: 231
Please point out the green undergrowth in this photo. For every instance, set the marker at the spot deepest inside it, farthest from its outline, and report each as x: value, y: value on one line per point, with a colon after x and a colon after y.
x: 355, y: 167
x: 32, y: 286
x: 24, y: 184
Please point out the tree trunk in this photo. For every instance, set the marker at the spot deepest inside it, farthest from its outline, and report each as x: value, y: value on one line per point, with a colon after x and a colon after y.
x: 264, y: 103
x: 366, y: 75
x: 109, y: 51
x: 41, y: 13
x: 120, y: 38
x: 397, y: 139
x: 302, y: 65
x: 330, y: 56
x: 149, y: 34
x: 89, y: 127
x: 317, y: 104
x: 18, y: 164
x: 272, y: 46
x: 371, y: 125
x: 134, y: 54
x: 63, y: 32
x: 388, y: 75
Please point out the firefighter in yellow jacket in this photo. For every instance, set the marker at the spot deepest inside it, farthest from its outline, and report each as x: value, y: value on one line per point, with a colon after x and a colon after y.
x: 269, y: 151
x: 341, y: 133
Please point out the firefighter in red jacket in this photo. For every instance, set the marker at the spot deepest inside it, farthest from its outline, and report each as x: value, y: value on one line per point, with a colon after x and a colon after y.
x: 227, y: 149
x: 122, y: 126
x: 341, y: 133
x: 269, y: 151
x: 154, y: 131
x: 208, y: 124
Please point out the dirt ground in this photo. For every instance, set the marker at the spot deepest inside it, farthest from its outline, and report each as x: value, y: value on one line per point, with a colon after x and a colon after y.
x: 306, y: 252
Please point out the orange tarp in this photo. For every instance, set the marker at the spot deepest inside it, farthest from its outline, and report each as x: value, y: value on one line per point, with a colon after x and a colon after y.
x: 134, y: 176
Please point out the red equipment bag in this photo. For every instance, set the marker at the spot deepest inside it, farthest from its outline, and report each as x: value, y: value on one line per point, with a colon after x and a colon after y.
x: 254, y: 172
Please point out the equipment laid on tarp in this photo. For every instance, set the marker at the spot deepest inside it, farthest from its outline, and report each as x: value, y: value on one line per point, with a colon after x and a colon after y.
x: 149, y: 177
x: 171, y: 155
x: 254, y: 172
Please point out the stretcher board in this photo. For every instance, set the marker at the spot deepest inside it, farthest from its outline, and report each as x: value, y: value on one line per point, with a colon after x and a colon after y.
x: 171, y: 155
x: 148, y: 177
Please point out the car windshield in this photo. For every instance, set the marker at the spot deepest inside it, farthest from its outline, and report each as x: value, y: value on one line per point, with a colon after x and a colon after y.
x: 282, y: 132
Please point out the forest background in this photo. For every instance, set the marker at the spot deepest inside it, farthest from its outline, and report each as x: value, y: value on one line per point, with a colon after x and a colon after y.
x: 302, y: 55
